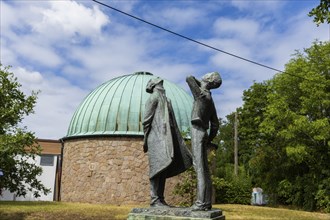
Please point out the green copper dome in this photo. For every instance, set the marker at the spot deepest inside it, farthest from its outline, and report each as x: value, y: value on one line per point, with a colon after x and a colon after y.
x: 117, y: 107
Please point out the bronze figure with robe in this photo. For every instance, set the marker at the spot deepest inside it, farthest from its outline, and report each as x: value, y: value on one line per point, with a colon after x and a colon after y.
x: 167, y: 152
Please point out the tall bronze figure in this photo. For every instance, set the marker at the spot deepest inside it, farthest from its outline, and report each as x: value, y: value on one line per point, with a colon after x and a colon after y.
x: 203, y: 117
x: 168, y: 154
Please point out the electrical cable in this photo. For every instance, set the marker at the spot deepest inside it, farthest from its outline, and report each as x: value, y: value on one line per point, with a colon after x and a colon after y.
x: 187, y: 38
x: 198, y: 42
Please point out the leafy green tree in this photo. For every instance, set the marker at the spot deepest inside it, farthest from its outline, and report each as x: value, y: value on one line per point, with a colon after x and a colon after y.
x: 321, y: 13
x: 17, y: 145
x: 298, y: 115
x: 288, y: 131
x: 250, y: 117
x: 230, y: 188
x: 225, y: 139
x: 261, y: 152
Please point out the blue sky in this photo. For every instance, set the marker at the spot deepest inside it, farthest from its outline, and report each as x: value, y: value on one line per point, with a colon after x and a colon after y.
x: 65, y: 49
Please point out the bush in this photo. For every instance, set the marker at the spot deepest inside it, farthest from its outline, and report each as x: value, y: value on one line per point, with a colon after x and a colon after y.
x: 323, y: 196
x: 233, y: 189
x: 187, y: 187
x: 305, y: 192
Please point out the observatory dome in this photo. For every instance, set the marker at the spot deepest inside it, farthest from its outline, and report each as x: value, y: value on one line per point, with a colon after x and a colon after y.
x: 117, y: 107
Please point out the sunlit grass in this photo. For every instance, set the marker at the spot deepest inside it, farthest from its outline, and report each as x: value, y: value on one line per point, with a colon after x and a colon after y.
x: 84, y: 211
x: 61, y: 210
x: 246, y: 212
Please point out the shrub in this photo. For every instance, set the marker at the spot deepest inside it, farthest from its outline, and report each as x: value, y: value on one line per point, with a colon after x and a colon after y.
x: 323, y: 196
x: 187, y: 187
x: 233, y: 189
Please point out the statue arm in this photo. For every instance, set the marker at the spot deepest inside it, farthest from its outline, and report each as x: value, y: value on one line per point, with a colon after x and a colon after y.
x: 194, y: 86
x: 214, y: 121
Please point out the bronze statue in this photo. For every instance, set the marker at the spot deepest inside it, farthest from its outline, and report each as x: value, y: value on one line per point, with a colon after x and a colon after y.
x: 204, y: 117
x: 168, y: 154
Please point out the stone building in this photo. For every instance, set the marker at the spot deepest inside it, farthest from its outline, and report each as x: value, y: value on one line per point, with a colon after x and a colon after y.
x: 103, y: 159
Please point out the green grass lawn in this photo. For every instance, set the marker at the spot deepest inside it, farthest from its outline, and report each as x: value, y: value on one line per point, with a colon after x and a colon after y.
x: 72, y: 211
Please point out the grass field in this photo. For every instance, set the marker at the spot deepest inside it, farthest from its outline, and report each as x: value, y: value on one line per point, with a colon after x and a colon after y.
x: 82, y: 211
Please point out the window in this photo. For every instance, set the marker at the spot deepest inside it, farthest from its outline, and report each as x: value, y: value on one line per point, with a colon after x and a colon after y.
x: 47, y: 160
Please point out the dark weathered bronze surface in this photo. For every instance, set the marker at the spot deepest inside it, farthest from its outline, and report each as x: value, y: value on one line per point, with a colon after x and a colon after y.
x: 203, y: 117
x: 168, y: 154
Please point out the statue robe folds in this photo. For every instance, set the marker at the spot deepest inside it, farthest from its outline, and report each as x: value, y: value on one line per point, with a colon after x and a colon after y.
x: 163, y: 141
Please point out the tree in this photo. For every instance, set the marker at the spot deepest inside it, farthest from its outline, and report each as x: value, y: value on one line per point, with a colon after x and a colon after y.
x: 288, y: 131
x: 321, y: 13
x: 225, y: 152
x: 227, y: 187
x: 230, y: 188
x: 250, y: 117
x: 18, y: 146
x: 260, y: 156
x: 298, y: 117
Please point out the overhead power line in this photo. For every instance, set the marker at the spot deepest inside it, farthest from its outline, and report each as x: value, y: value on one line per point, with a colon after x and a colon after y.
x: 200, y: 43
x: 187, y: 38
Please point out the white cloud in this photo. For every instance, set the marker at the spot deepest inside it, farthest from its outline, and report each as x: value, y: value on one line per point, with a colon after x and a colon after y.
x: 56, y: 102
x: 251, y: 39
x: 257, y: 7
x: 31, y: 32
x: 40, y: 32
x: 228, y: 97
x: 36, y: 52
x: 28, y: 78
x: 67, y: 19
x: 176, y: 18
x: 300, y: 35
x: 67, y: 48
x: 7, y: 56
x: 244, y: 29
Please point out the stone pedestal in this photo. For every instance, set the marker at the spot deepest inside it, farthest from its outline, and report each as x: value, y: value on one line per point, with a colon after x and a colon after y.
x: 174, y: 213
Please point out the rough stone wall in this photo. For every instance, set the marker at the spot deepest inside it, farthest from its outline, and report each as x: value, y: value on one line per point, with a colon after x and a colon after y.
x: 112, y: 170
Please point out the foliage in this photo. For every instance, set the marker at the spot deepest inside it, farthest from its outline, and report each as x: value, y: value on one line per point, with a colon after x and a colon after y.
x: 186, y: 188
x: 233, y: 189
x: 187, y: 185
x: 230, y: 188
x: 17, y: 146
x: 323, y: 195
x: 321, y: 12
x: 250, y: 137
x: 285, y: 124
x: 225, y: 138
x: 284, y: 138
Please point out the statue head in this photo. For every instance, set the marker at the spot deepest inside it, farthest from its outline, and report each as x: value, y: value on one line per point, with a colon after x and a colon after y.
x: 213, y: 80
x: 152, y: 83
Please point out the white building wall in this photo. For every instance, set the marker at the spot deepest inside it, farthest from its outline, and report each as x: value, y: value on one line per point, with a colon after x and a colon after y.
x: 47, y: 178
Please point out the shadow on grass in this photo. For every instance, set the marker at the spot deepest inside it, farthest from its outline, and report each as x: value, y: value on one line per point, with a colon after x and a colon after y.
x: 55, y: 216
x: 11, y: 216
x: 27, y: 203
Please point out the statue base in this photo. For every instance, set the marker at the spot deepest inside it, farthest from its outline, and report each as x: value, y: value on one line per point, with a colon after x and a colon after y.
x: 174, y: 213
